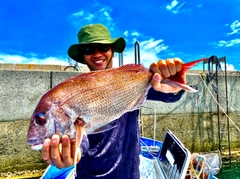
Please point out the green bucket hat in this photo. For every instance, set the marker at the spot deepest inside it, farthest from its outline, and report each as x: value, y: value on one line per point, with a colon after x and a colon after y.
x: 94, y: 33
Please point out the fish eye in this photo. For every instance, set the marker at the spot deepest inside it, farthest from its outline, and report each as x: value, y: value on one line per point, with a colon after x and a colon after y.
x: 40, y: 119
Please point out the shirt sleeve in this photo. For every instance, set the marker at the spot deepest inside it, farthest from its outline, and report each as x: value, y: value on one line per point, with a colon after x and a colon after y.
x: 165, y: 97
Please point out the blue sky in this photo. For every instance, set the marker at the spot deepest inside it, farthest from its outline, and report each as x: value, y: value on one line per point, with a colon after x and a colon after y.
x: 40, y: 31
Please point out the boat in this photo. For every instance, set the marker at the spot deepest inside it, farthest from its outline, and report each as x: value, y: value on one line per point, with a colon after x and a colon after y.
x: 170, y: 159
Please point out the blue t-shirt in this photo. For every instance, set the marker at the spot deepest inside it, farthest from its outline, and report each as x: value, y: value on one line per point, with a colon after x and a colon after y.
x: 115, y: 152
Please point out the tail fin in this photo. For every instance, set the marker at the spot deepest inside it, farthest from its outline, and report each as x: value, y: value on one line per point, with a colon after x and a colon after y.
x: 185, y: 68
x: 189, y: 65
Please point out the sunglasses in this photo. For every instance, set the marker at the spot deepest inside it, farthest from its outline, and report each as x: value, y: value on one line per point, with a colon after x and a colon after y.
x: 90, y: 49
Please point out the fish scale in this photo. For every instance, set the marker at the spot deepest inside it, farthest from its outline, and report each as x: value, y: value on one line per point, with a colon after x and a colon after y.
x: 97, y: 98
x: 112, y: 102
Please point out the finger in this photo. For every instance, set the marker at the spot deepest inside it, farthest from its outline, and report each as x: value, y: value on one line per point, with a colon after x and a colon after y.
x: 162, y: 66
x: 73, y: 149
x: 66, y: 151
x: 156, y: 82
x: 178, y: 63
x: 79, y: 156
x: 171, y: 66
x: 154, y: 68
x: 55, y: 153
x: 46, y: 151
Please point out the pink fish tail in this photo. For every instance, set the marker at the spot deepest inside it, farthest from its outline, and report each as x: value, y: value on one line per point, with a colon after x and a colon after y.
x: 187, y: 66
x: 177, y: 81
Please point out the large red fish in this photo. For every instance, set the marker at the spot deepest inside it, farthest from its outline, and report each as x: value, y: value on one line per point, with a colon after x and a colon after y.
x: 96, y: 98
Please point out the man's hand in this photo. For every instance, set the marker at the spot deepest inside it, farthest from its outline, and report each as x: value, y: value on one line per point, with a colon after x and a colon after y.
x: 61, y: 154
x: 164, y: 69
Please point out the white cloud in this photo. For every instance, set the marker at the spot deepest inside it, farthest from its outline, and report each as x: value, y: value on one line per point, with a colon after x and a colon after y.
x: 106, y: 14
x: 152, y: 46
x: 149, y: 50
x: 125, y: 33
x: 18, y: 59
x: 230, y: 67
x: 172, y: 5
x: 149, y: 44
x: 49, y: 60
x: 82, y: 15
x: 89, y: 17
x: 94, y: 14
x: 135, y: 34
x: 146, y: 57
x: 235, y: 27
x: 223, y: 43
x: 175, y: 6
x: 13, y: 58
x: 78, y: 14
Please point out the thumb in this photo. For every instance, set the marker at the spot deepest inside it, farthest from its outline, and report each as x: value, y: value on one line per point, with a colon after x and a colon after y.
x: 156, y: 82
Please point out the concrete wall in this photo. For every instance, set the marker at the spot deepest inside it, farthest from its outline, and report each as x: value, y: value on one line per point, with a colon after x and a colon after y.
x: 193, y: 118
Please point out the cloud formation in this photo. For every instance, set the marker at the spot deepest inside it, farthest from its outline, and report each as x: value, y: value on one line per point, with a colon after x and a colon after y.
x: 166, y: 29
x: 235, y: 27
x: 17, y: 59
x: 175, y: 7
x: 94, y: 14
x: 230, y: 43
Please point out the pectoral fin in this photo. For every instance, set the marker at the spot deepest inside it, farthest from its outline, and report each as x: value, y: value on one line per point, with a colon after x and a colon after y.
x: 79, y: 136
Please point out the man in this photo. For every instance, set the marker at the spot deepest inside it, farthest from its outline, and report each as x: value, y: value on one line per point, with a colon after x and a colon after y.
x: 112, y: 152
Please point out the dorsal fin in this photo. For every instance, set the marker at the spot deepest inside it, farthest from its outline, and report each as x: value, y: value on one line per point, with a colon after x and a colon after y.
x: 127, y: 67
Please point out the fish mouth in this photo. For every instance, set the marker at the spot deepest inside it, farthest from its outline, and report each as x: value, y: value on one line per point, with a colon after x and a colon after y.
x: 35, y: 144
x: 37, y: 147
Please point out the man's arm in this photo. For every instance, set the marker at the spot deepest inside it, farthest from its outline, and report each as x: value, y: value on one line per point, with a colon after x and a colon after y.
x: 165, y: 97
